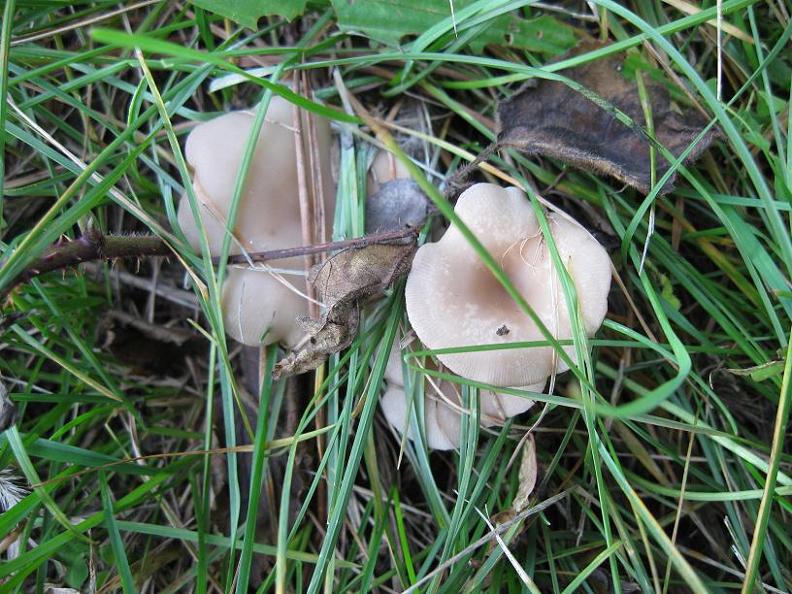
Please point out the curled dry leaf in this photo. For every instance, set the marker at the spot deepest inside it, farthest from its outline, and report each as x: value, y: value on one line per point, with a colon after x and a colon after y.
x: 529, y: 471
x: 8, y: 411
x: 550, y: 118
x: 344, y: 283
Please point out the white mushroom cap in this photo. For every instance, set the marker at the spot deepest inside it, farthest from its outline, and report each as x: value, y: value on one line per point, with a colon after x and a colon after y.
x: 384, y: 168
x: 453, y: 300
x: 255, y: 302
x: 441, y: 421
x: 442, y: 408
x: 259, y: 308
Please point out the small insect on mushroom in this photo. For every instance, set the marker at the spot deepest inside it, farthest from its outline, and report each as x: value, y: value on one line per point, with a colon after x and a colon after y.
x: 259, y: 305
x: 503, y: 330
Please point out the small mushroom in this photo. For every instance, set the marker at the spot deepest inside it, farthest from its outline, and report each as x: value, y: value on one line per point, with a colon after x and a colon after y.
x: 259, y: 305
x: 442, y: 408
x: 385, y: 168
x: 453, y: 300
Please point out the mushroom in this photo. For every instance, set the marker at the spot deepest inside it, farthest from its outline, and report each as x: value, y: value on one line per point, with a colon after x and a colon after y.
x: 259, y: 304
x: 442, y: 409
x: 441, y: 413
x: 384, y: 168
x: 453, y: 300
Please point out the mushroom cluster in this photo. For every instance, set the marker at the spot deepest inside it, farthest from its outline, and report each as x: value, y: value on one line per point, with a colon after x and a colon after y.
x: 385, y: 168
x: 453, y: 300
x: 260, y: 304
x: 442, y: 405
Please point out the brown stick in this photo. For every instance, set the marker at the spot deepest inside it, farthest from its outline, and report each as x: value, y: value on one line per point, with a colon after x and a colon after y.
x: 95, y: 246
x: 330, y: 246
x: 92, y: 246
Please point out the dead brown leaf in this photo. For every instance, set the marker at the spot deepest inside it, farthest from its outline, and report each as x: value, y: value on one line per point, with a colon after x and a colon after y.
x: 550, y: 118
x: 8, y: 413
x: 344, y: 283
x: 529, y: 471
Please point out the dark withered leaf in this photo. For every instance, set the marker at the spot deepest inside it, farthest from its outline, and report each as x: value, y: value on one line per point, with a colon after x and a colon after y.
x: 344, y: 283
x: 8, y: 413
x: 397, y: 204
x: 601, y: 583
x: 528, y: 474
x: 550, y: 118
x: 147, y: 348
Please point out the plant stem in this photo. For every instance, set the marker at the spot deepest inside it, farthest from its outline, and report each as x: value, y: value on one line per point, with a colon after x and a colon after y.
x: 93, y: 245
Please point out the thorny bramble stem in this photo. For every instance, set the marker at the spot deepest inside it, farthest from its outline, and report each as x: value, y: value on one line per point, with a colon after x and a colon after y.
x: 93, y: 245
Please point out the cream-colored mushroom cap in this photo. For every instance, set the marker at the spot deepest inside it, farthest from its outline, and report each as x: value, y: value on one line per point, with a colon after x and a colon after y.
x: 442, y: 408
x: 384, y: 168
x: 259, y: 307
x: 453, y: 300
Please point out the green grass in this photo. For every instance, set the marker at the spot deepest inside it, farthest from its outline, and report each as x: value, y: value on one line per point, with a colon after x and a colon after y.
x: 664, y: 461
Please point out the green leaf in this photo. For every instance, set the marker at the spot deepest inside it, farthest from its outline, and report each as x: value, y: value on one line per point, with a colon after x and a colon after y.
x: 667, y: 291
x: 544, y: 34
x: 75, y: 556
x: 759, y: 373
x: 390, y: 20
x: 248, y: 12
x: 116, y: 542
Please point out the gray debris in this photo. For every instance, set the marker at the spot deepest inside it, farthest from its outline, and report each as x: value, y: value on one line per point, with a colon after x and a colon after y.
x: 398, y: 204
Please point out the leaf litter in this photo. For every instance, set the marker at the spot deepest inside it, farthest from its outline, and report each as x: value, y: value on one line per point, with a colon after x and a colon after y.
x: 345, y: 283
x: 549, y: 117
